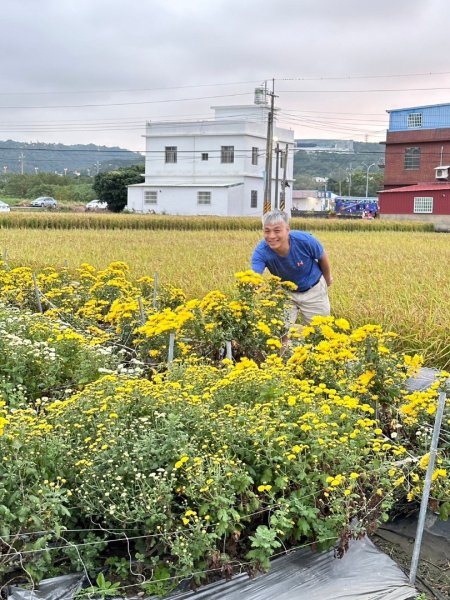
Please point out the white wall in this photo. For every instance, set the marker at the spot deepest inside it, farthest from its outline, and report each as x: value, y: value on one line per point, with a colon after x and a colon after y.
x: 191, y: 168
x: 194, y: 138
x: 183, y: 200
x: 208, y: 137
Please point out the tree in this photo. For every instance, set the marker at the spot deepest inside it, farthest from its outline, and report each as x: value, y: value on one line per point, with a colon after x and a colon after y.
x: 111, y: 187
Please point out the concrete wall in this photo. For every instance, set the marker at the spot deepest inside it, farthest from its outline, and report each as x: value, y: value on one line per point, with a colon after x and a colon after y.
x: 183, y: 200
x: 441, y: 222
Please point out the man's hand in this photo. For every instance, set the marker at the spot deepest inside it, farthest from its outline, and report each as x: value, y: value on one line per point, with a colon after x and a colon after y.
x: 325, y: 267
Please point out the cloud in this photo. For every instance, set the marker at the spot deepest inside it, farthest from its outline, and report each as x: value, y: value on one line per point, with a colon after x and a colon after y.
x: 60, y: 53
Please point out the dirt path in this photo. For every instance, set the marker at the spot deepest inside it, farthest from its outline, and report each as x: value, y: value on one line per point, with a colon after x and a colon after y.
x: 396, y: 539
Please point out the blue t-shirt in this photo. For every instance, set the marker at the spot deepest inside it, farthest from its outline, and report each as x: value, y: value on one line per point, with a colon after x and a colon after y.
x: 300, y: 266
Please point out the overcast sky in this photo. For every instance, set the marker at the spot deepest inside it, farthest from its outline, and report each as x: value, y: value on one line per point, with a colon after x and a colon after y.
x: 94, y: 71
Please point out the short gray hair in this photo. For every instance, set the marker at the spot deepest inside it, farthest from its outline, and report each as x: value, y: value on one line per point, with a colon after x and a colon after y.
x: 275, y: 216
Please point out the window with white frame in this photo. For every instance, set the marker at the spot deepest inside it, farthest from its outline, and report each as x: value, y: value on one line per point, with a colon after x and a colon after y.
x: 254, y: 155
x: 150, y: 197
x: 415, y: 120
x: 412, y: 159
x: 423, y: 204
x: 171, y: 154
x: 203, y: 198
x: 253, y: 198
x: 227, y: 154
x: 205, y: 156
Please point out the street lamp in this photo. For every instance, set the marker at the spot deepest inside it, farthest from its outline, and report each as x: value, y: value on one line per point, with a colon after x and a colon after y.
x: 367, y: 178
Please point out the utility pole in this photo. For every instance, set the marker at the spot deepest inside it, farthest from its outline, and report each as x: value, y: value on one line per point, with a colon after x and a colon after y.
x: 284, y: 182
x: 277, y: 171
x: 21, y: 160
x: 269, y: 151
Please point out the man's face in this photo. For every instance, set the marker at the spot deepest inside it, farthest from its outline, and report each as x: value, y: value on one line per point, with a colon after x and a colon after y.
x: 277, y: 236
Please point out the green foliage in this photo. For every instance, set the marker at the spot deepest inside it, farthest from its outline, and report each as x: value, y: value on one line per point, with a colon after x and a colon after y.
x: 264, y: 543
x: 111, y: 187
x: 63, y: 188
x: 161, y: 582
x: 103, y: 588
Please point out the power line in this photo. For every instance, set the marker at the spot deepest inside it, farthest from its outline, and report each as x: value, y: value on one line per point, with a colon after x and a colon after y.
x: 131, y: 90
x: 52, y: 106
x: 362, y: 76
x: 224, y: 84
x: 366, y: 91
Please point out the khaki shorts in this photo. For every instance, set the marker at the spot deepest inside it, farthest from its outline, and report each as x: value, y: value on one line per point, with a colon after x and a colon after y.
x: 310, y: 304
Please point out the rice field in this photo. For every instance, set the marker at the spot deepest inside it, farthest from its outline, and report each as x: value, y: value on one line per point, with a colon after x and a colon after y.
x: 400, y: 280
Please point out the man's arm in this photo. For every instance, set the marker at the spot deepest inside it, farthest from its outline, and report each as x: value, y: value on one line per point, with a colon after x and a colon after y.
x: 325, y: 267
x: 258, y: 263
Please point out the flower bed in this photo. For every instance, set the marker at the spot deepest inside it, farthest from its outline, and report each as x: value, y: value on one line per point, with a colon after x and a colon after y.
x: 212, y: 465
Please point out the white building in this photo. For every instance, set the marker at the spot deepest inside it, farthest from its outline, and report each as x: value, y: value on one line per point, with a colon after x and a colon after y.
x: 212, y: 167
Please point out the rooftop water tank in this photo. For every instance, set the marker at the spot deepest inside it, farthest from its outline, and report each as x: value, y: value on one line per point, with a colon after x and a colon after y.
x: 260, y: 95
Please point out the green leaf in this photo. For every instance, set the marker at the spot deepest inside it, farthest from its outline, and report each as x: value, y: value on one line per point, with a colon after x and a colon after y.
x: 444, y: 511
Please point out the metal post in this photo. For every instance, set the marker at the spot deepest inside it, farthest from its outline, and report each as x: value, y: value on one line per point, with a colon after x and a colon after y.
x: 37, y: 293
x: 229, y: 351
x: 171, y: 348
x: 367, y: 179
x: 155, y: 289
x: 427, y: 487
x: 141, y: 311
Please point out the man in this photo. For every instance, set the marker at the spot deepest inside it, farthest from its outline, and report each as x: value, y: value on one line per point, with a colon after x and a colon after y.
x: 298, y: 257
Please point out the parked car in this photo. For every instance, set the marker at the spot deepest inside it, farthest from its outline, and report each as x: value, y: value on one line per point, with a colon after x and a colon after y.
x: 4, y: 207
x: 44, y: 201
x: 96, y: 205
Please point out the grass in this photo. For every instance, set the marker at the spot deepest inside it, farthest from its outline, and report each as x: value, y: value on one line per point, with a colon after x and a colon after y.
x: 397, y: 279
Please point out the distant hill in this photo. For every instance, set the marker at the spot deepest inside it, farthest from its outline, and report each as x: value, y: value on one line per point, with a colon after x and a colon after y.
x: 334, y: 164
x: 86, y: 159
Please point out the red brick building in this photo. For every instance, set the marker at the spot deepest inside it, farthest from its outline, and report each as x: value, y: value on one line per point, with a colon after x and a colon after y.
x: 412, y: 156
x: 417, y: 160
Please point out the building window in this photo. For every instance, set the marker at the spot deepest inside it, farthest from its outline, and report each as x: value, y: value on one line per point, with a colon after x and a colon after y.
x: 203, y: 197
x: 254, y: 199
x: 171, y: 154
x: 415, y: 120
x: 205, y: 156
x: 412, y: 158
x: 227, y: 154
x: 254, y: 155
x: 423, y: 204
x: 150, y: 197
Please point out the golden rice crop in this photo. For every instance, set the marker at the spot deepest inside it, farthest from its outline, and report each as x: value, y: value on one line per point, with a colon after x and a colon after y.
x: 69, y: 220
x: 400, y: 280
